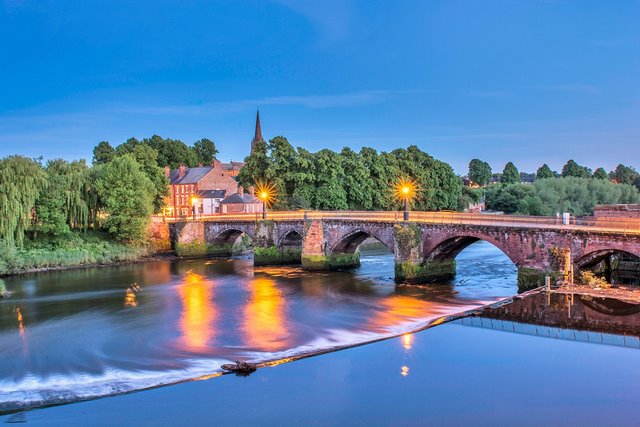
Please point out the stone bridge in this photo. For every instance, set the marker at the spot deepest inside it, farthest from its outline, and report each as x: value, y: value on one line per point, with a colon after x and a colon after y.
x: 424, y: 249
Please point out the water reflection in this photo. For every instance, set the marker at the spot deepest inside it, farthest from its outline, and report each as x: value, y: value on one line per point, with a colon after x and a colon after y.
x: 265, y: 316
x: 407, y: 340
x: 197, y: 322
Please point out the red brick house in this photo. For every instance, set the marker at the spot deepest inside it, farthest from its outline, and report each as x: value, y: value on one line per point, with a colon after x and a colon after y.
x: 187, y: 184
x: 241, y: 203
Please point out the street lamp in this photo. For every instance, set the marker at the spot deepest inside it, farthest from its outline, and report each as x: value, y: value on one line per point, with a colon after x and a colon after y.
x: 266, y: 193
x: 405, y: 190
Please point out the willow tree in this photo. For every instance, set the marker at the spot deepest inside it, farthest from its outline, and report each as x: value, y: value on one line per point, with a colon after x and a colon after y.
x: 65, y: 203
x: 21, y: 181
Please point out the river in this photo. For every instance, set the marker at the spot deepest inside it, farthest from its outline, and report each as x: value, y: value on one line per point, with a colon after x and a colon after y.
x: 79, y: 334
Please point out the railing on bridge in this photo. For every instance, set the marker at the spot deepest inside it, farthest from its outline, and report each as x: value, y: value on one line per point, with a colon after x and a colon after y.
x: 616, y: 225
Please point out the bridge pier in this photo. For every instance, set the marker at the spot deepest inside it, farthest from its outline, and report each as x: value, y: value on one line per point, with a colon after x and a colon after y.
x: 316, y: 256
x: 410, y: 265
x: 268, y: 251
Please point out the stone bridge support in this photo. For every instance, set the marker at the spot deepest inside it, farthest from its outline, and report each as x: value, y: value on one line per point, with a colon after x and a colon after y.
x: 317, y: 253
x: 277, y: 243
x: 410, y: 263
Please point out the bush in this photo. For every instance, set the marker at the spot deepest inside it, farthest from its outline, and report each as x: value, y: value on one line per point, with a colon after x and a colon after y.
x: 588, y: 278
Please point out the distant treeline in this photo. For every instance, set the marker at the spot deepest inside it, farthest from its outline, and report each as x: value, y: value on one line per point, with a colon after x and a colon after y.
x: 576, y: 189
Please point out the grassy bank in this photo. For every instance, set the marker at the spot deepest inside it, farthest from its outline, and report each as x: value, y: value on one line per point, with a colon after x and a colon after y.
x: 77, y: 250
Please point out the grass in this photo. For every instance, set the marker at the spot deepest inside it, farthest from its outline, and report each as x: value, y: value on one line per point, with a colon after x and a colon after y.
x: 588, y: 278
x: 78, y: 249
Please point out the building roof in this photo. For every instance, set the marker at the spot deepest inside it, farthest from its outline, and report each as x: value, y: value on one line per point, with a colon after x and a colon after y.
x: 232, y: 165
x: 191, y: 175
x: 213, y: 194
x: 237, y: 198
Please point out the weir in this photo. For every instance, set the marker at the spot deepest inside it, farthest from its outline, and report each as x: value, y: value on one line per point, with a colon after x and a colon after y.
x: 424, y: 248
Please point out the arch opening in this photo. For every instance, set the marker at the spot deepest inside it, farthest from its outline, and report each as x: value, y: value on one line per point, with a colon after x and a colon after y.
x: 287, y: 250
x: 615, y: 266
x: 231, y: 242
x: 479, y: 268
x: 363, y: 250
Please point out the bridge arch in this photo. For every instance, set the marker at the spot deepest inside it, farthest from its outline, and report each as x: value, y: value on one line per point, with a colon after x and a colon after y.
x: 290, y: 238
x: 230, y: 235
x: 595, y: 257
x: 450, y: 248
x: 349, y: 242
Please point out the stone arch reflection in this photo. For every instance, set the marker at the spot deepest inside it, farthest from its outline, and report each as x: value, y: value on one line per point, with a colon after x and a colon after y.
x: 265, y: 323
x: 198, y: 317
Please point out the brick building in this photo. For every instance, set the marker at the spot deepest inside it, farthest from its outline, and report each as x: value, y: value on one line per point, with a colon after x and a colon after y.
x: 203, y: 189
x: 188, y: 184
x: 241, y: 203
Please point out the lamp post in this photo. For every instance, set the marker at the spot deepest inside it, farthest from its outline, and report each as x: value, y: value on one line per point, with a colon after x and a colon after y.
x: 264, y: 196
x: 405, y: 190
x: 266, y: 192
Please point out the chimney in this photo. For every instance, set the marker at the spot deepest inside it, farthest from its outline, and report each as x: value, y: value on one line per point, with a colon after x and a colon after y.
x: 217, y: 164
x: 252, y: 191
x: 167, y: 171
x: 199, y: 165
x: 182, y: 170
x: 240, y: 190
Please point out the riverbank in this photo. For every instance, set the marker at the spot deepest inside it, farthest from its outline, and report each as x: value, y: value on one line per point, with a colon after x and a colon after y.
x: 81, y: 252
x: 452, y: 374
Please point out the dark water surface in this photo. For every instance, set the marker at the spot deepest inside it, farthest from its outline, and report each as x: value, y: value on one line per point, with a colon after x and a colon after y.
x: 89, y: 333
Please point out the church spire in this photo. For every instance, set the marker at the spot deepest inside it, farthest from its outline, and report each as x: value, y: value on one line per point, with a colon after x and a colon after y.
x: 258, y: 135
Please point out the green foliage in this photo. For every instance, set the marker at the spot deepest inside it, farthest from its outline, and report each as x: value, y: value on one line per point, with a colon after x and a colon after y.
x: 600, y: 173
x: 21, y: 182
x: 548, y: 196
x: 479, y: 172
x: 127, y: 195
x: 571, y: 168
x: 625, y: 174
x: 205, y: 151
x: 172, y: 152
x: 331, y: 262
x: 544, y: 172
x: 425, y: 272
x: 147, y: 158
x: 468, y: 197
x: 75, y: 250
x: 65, y: 204
x: 510, y: 174
x: 256, y: 166
x: 103, y: 153
x: 274, y: 256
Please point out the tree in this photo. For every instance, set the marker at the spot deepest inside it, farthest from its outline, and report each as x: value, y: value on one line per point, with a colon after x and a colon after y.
x: 172, y: 152
x: 544, y: 172
x: 256, y: 166
x: 356, y: 181
x: 571, y: 168
x: 510, y: 174
x: 600, y: 173
x: 625, y: 174
x: 21, y: 182
x: 205, y: 151
x: 479, y: 172
x: 127, y: 195
x: 103, y: 153
x: 65, y: 204
x: 330, y: 194
x: 147, y: 158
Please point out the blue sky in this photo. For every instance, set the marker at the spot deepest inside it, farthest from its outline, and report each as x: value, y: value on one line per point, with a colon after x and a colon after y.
x: 502, y: 80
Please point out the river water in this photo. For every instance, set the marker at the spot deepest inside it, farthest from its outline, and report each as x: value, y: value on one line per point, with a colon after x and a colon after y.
x: 80, y: 334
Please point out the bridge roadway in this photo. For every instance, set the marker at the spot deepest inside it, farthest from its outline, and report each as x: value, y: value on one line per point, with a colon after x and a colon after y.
x: 425, y: 247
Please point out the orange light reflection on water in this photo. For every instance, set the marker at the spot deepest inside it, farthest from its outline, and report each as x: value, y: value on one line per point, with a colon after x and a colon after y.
x: 264, y: 316
x: 398, y: 309
x: 198, y: 312
x: 407, y: 340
